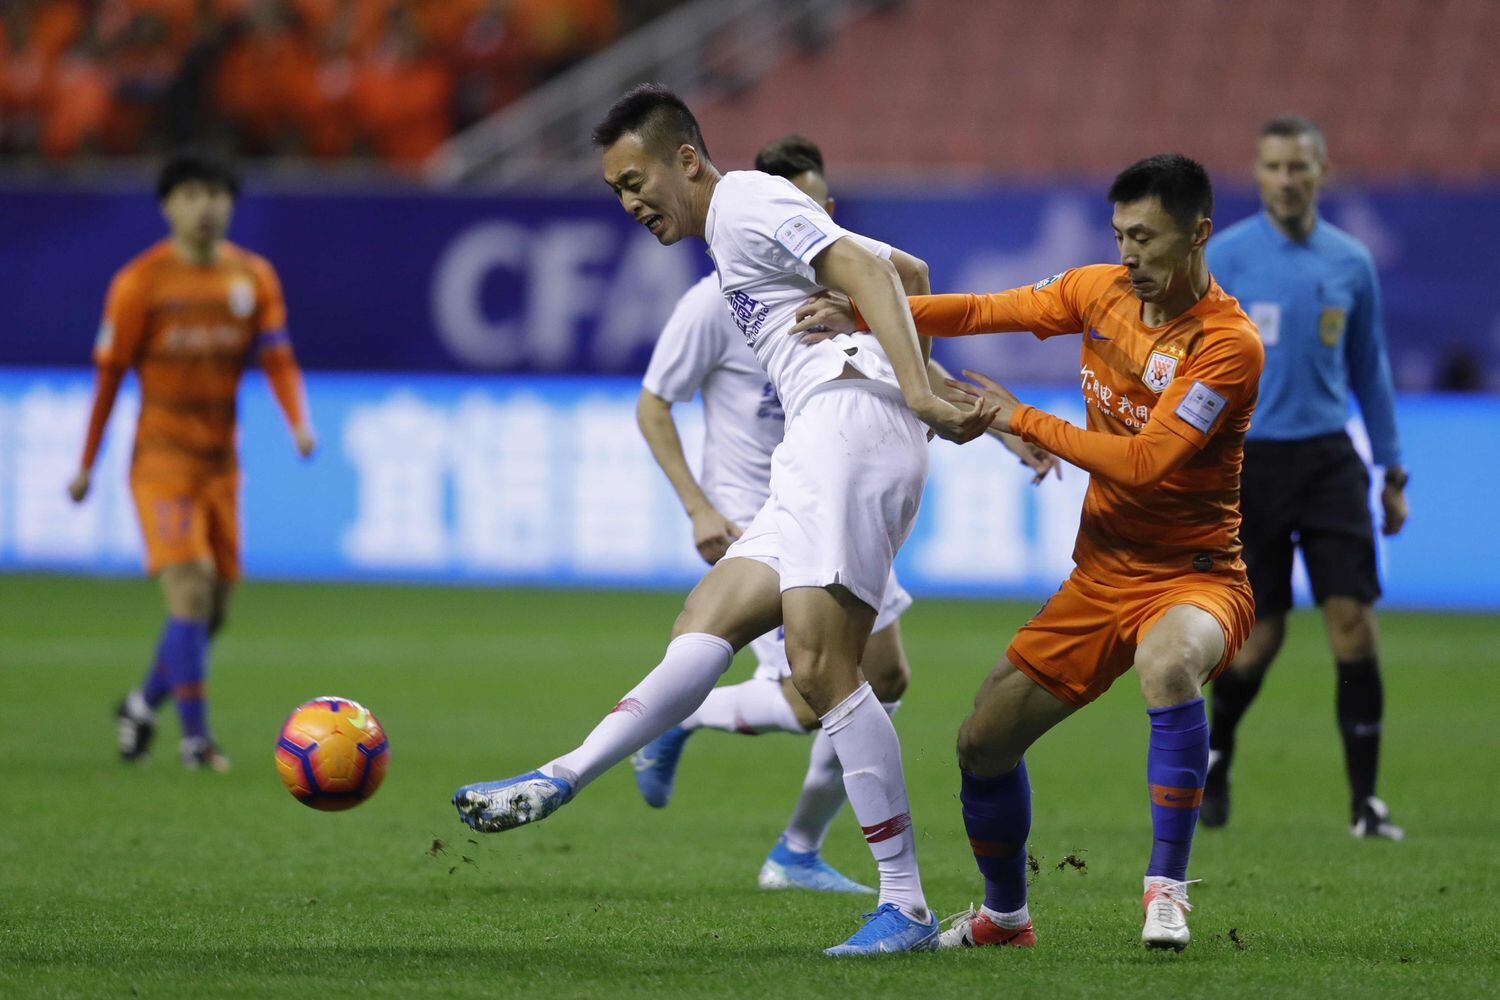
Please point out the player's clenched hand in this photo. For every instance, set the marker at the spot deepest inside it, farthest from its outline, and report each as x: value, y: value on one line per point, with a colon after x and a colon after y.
x: 825, y: 315
x: 306, y: 441
x: 713, y: 533
x: 960, y: 423
x: 78, y: 486
x: 983, y: 389
x: 1394, y: 508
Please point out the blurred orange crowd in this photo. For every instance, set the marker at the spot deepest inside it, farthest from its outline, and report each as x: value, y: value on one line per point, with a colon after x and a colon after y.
x: 324, y: 78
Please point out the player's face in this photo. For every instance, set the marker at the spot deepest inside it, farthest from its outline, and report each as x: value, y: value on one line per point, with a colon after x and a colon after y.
x: 1289, y: 173
x: 812, y: 184
x: 1154, y: 247
x: 653, y: 190
x: 198, y: 211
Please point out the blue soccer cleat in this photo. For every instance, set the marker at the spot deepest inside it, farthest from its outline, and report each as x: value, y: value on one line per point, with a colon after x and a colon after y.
x: 888, y: 930
x: 492, y: 806
x: 786, y: 869
x: 656, y: 766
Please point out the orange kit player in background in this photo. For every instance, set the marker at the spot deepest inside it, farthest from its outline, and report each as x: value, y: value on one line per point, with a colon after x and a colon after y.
x: 188, y: 315
x: 1170, y: 370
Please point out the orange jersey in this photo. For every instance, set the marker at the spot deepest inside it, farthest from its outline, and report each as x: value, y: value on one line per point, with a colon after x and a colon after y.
x: 1174, y: 402
x: 189, y: 330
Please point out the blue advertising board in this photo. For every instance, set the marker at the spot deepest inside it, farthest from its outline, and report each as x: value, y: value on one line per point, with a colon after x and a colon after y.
x: 537, y: 480
x: 452, y: 283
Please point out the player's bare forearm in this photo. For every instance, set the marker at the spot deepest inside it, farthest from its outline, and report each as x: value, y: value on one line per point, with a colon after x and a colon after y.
x: 916, y: 279
x: 915, y: 275
x: 873, y: 283
x: 653, y: 415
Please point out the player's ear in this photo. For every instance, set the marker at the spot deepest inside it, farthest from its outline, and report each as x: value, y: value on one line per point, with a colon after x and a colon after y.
x: 689, y: 160
x: 1201, y: 233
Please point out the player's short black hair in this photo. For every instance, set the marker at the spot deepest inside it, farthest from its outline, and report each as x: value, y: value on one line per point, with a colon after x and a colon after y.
x: 661, y: 118
x: 196, y: 165
x: 1181, y: 183
x: 790, y: 156
x: 1293, y: 126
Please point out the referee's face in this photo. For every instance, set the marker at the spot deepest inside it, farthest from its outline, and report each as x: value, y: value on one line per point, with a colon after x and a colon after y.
x: 1289, y: 173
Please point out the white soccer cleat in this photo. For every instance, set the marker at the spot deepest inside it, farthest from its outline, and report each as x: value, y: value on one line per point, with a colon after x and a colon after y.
x: 974, y: 929
x: 1166, y: 905
x: 1372, y: 821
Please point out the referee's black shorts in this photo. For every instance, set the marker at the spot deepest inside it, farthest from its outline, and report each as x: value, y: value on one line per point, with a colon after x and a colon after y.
x: 1313, y: 493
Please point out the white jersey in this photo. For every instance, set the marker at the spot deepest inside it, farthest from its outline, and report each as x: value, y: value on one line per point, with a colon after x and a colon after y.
x: 763, y: 234
x: 701, y: 350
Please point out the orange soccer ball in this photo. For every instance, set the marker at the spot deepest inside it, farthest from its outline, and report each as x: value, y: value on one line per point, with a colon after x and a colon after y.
x: 332, y: 753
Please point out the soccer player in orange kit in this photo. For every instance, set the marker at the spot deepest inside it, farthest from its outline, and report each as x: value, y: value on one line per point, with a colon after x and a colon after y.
x: 1169, y: 373
x: 188, y: 315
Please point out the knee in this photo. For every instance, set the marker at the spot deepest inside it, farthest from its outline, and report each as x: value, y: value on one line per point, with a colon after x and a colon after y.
x: 189, y: 592
x: 1168, y: 680
x: 1351, y: 629
x: 890, y: 684
x: 984, y: 754
x: 702, y: 614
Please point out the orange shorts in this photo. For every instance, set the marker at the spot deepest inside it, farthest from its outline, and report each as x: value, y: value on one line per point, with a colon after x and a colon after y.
x: 191, y: 518
x: 1086, y: 635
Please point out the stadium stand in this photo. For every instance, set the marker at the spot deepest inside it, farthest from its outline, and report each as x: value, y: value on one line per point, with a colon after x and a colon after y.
x: 321, y: 78
x: 1077, y: 87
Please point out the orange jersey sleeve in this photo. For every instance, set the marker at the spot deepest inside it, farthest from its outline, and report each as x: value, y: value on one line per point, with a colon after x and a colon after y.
x: 1139, y: 461
x: 1222, y: 378
x: 122, y: 331
x: 1054, y: 306
x: 274, y: 345
x: 106, y: 388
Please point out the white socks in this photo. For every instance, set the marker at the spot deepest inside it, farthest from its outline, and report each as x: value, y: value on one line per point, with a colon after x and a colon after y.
x: 755, y: 706
x: 1010, y: 921
x: 822, y: 794
x: 821, y: 799
x: 865, y: 741
x: 691, y: 666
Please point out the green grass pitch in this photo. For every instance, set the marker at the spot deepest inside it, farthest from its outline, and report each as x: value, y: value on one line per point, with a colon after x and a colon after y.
x: 154, y: 882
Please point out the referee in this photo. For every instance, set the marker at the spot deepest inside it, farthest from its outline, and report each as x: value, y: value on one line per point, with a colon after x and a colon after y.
x: 1312, y: 291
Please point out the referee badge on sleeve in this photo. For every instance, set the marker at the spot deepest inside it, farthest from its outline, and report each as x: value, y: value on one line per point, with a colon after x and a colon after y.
x: 1331, y: 324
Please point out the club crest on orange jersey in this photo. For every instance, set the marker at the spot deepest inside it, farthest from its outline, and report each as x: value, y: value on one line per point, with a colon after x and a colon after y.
x: 1160, y: 368
x: 241, y: 297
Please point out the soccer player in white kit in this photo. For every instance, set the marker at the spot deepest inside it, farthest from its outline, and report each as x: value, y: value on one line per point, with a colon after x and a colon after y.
x: 701, y: 350
x: 845, y: 486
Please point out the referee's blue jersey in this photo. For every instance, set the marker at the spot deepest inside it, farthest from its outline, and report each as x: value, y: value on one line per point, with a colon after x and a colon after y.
x: 1317, y: 305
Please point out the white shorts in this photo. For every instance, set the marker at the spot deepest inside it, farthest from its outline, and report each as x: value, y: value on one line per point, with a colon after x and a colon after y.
x: 846, y: 482
x: 770, y: 649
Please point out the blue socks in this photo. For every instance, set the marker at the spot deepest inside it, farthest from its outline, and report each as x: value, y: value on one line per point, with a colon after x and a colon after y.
x: 157, y: 685
x: 997, y: 816
x: 1176, y: 765
x: 182, y: 657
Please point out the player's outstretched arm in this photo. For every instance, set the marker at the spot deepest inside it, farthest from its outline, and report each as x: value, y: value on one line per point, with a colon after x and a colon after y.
x: 1046, y: 309
x: 848, y: 267
x: 106, y: 388
x: 280, y: 366
x: 713, y: 533
x: 1141, y: 461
